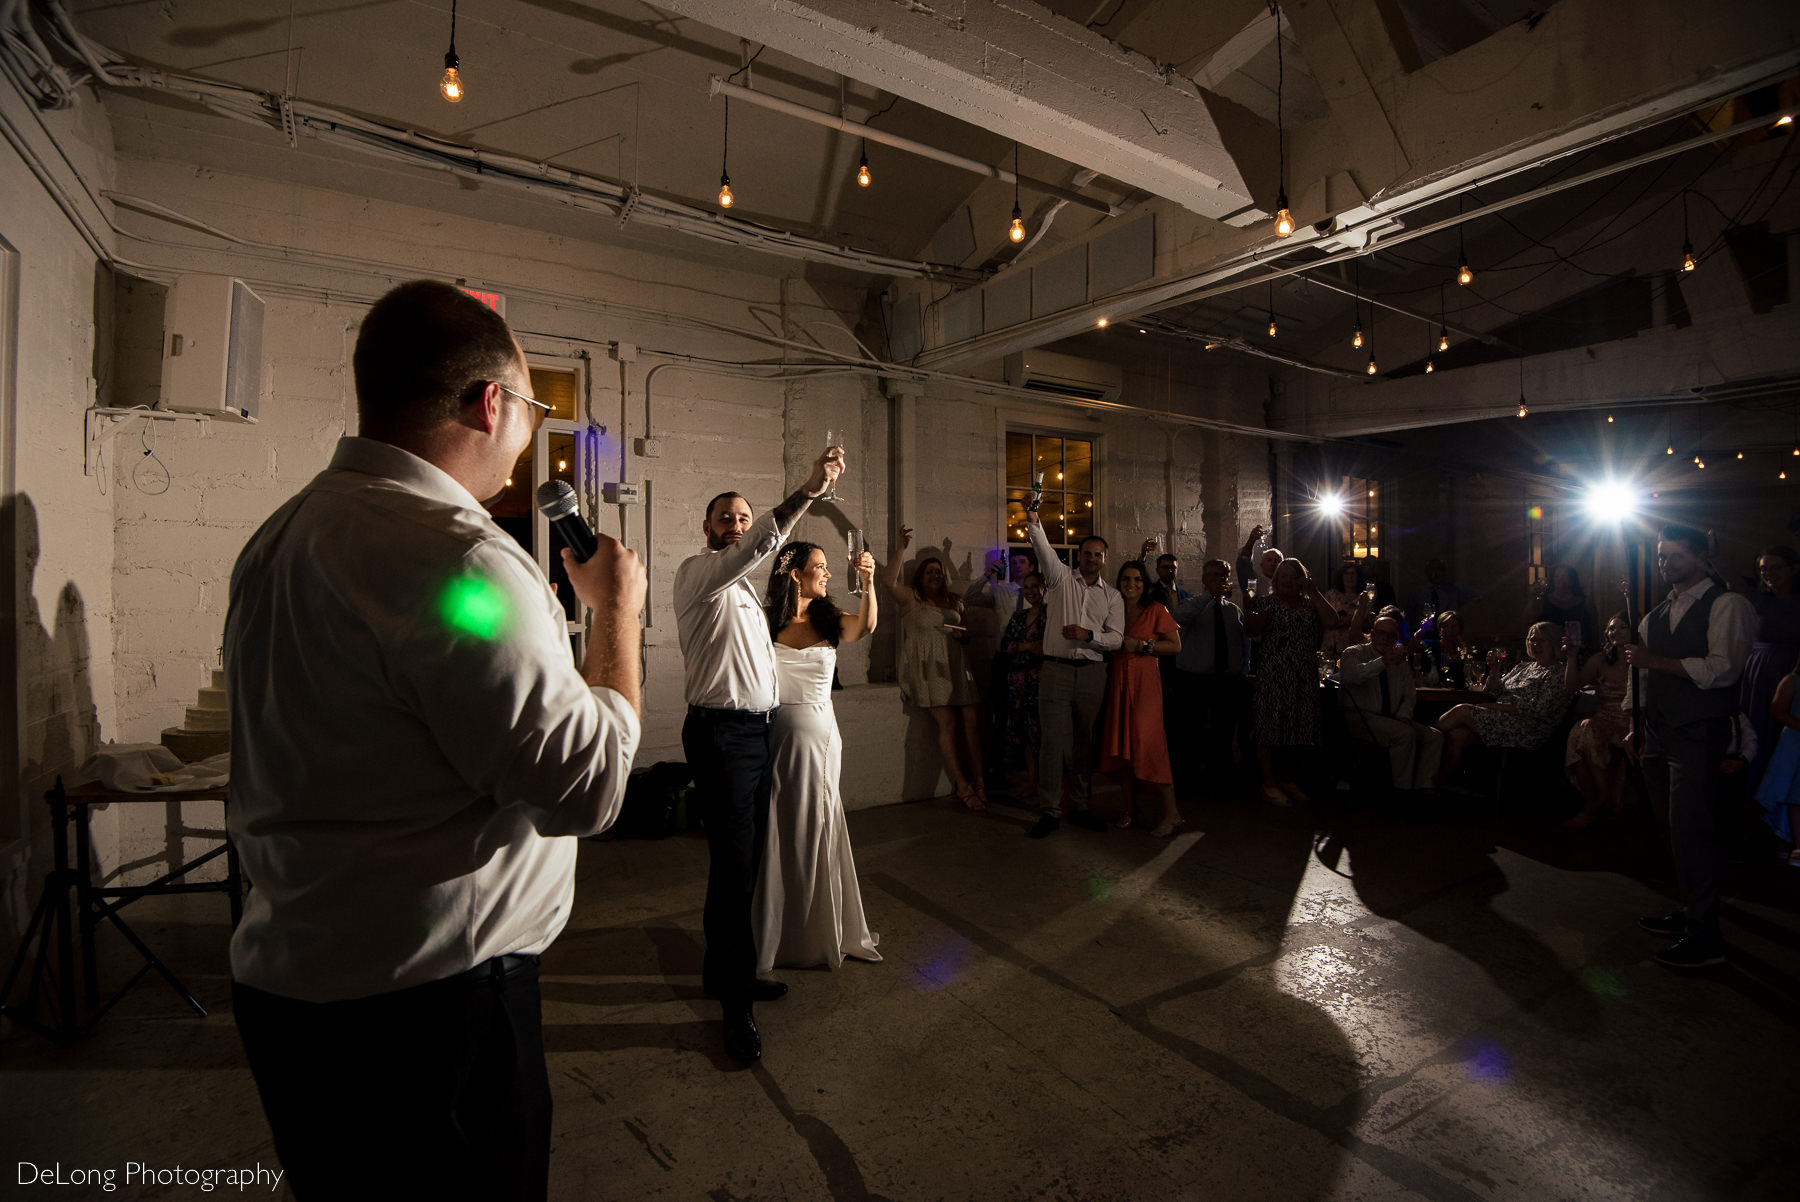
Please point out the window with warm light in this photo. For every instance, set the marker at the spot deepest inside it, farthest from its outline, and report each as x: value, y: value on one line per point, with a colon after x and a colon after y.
x: 1535, y: 544
x: 1069, y: 486
x: 1360, y: 526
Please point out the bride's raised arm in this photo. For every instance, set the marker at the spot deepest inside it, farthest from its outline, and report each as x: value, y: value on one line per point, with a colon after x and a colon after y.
x: 857, y: 625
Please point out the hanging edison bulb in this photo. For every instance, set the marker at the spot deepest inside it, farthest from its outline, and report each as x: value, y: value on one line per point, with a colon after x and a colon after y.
x: 726, y: 199
x: 1429, y: 365
x: 1284, y: 220
x: 1371, y: 368
x: 863, y: 178
x: 1670, y: 450
x: 1356, y: 340
x: 1271, y: 325
x: 1443, y: 339
x: 1103, y: 323
x: 451, y: 84
x: 1688, y: 262
x: 1464, y: 275
x: 1522, y: 410
x: 1609, y: 419
x: 1016, y: 231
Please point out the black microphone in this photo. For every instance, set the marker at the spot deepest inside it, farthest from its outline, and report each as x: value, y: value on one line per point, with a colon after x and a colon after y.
x: 556, y: 501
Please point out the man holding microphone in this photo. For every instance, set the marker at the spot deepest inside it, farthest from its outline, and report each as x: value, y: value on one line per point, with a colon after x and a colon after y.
x: 414, y: 753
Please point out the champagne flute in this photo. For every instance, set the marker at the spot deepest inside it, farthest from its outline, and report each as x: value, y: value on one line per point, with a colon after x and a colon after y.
x: 856, y: 545
x: 833, y: 438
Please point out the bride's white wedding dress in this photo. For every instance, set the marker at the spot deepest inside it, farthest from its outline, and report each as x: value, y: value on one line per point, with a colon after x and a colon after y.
x: 808, y: 905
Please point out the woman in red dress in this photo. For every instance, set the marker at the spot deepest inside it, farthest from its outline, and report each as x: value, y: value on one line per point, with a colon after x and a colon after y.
x: 1132, y: 742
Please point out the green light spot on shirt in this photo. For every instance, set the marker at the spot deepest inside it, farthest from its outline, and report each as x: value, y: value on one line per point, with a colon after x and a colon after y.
x: 474, y: 606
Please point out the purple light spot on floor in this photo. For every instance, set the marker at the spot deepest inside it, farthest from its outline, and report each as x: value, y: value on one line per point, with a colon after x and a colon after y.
x: 948, y: 957
x: 1491, y: 1064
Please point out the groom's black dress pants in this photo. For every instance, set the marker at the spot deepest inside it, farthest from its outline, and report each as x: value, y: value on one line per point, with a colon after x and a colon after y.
x: 729, y: 752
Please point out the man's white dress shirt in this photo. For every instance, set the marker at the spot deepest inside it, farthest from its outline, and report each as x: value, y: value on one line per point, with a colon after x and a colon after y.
x: 726, y: 648
x: 1069, y: 600
x: 410, y: 736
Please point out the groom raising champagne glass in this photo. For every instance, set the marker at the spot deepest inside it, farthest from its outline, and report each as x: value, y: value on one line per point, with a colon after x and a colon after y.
x: 731, y: 696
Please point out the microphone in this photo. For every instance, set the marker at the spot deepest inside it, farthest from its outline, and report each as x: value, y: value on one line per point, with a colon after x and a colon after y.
x: 556, y: 501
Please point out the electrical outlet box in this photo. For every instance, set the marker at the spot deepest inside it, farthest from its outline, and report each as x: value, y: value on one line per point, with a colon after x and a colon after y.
x: 620, y: 494
x: 649, y: 448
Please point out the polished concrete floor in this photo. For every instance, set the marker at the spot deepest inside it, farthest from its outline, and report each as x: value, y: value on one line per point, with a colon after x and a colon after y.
x: 1335, y: 1001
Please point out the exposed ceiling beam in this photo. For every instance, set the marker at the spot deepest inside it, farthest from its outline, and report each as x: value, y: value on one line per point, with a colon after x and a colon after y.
x: 1019, y: 70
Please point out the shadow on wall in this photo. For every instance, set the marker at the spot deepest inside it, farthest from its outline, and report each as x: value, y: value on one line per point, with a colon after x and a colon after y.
x: 57, y: 727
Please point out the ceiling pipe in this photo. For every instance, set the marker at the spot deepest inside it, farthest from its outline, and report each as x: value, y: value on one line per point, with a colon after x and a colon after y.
x: 775, y: 104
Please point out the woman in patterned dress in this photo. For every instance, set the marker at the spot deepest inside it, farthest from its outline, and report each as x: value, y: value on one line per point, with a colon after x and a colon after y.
x: 1531, y: 700
x: 1285, y: 707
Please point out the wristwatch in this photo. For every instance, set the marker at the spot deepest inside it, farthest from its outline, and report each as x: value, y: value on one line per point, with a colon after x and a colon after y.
x: 1147, y: 647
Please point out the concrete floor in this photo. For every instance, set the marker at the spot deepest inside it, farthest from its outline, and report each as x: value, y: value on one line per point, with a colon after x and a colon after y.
x: 1335, y: 1002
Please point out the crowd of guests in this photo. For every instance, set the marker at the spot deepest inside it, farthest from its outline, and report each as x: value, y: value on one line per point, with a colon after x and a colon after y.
x: 1134, y: 675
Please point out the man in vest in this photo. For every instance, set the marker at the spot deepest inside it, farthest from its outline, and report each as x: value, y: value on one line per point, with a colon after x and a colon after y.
x: 1691, y: 650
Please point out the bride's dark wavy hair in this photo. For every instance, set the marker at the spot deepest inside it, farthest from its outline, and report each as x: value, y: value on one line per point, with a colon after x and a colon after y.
x: 780, y: 598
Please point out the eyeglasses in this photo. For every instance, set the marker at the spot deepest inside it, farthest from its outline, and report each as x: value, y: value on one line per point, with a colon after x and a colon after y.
x: 543, y: 410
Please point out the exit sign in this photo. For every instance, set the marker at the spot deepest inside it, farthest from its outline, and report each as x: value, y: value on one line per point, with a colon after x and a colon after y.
x: 493, y: 300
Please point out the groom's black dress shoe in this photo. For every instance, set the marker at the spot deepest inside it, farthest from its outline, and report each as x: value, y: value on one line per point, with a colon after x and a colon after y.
x: 761, y: 990
x: 742, y: 1041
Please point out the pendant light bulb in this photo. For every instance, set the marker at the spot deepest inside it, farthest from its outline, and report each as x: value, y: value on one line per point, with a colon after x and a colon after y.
x: 1443, y: 339
x: 1670, y: 450
x: 1271, y: 325
x: 1464, y: 275
x: 1016, y: 231
x: 863, y: 178
x: 1284, y: 220
x: 1740, y: 454
x: 1609, y: 419
x: 1522, y: 409
x: 451, y: 84
x: 1688, y: 262
x: 1356, y: 340
x: 1371, y: 368
x: 726, y: 199
x: 1103, y: 323
x: 1429, y: 365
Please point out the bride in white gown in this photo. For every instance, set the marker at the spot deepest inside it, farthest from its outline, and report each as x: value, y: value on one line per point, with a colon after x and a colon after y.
x: 808, y: 905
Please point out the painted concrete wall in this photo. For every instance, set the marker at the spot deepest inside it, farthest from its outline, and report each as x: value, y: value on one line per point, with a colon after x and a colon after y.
x: 62, y: 517
x: 657, y: 337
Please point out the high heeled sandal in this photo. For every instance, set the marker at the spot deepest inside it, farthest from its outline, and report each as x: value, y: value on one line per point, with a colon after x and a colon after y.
x: 970, y: 799
x: 1164, y: 830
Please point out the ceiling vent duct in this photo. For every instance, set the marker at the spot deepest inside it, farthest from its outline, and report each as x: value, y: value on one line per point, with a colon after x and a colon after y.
x: 1065, y: 375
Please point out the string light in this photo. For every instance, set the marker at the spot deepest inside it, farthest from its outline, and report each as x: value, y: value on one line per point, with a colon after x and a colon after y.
x: 1356, y: 339
x: 863, y: 178
x: 1284, y: 220
x: 1429, y: 365
x: 1443, y: 323
x: 1102, y: 323
x: 726, y: 199
x: 451, y: 84
x: 1016, y: 231
x: 1464, y: 276
x: 1609, y: 419
x: 1688, y: 262
x: 1371, y: 367
x: 1272, y: 310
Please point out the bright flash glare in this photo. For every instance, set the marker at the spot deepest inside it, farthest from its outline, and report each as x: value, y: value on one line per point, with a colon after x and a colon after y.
x: 1610, y: 502
x: 1331, y: 505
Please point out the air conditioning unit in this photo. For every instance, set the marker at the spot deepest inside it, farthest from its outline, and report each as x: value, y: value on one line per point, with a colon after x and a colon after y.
x: 212, y: 348
x: 1065, y: 375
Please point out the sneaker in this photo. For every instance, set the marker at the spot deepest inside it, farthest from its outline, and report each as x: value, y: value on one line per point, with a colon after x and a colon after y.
x: 1669, y: 926
x: 1087, y: 820
x: 1692, y: 953
x: 1046, y: 825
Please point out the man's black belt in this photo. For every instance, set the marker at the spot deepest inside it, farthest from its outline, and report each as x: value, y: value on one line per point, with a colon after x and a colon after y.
x: 758, y: 715
x: 495, y: 968
x: 1073, y: 663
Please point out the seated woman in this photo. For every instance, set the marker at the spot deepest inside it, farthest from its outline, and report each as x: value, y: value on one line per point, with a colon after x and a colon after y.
x: 1444, y: 653
x: 1531, y: 702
